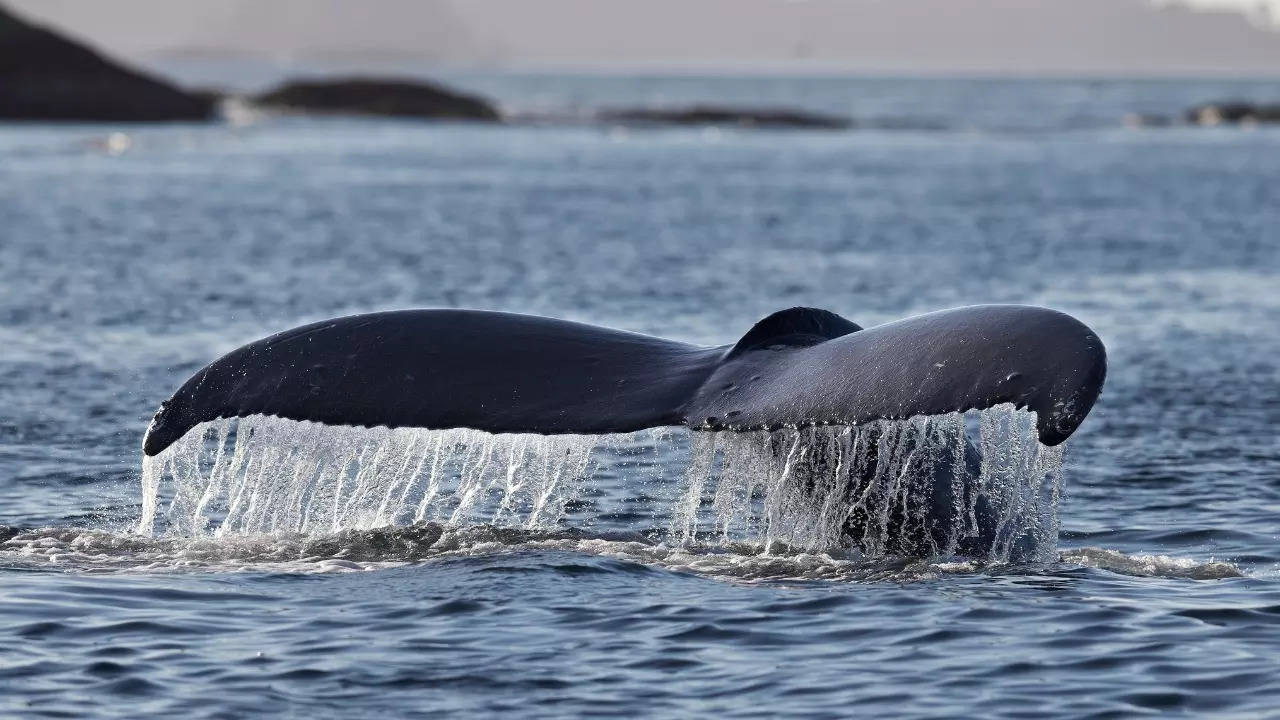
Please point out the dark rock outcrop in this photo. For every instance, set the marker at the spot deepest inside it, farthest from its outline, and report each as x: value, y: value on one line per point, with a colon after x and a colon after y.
x: 44, y: 76
x: 726, y: 116
x: 374, y: 96
x: 1233, y: 113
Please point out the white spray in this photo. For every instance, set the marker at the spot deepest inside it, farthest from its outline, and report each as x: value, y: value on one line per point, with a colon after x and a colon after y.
x: 884, y: 488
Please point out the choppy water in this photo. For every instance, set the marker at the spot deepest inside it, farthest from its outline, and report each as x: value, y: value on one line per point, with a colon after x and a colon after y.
x: 657, y: 573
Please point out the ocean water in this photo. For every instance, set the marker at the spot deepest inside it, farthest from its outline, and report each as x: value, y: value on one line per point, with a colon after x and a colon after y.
x: 657, y: 574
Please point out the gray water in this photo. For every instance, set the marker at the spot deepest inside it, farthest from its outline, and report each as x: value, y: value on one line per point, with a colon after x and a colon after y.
x: 655, y: 574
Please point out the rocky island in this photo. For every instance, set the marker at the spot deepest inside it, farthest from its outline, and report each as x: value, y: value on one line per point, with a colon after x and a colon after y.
x: 1234, y: 112
x: 376, y: 96
x: 45, y: 76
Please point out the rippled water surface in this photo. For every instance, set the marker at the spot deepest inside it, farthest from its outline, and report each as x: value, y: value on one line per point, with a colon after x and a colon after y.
x: 605, y: 580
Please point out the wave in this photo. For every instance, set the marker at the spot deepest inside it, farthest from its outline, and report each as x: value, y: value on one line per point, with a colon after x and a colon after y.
x: 1153, y: 566
x: 97, y: 551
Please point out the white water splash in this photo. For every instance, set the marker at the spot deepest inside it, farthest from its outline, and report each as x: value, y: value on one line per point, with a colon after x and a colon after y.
x: 912, y: 487
x: 267, y: 475
x: 358, y: 550
x: 1148, y: 565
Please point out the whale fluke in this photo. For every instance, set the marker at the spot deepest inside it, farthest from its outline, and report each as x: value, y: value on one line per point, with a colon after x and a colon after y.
x: 503, y: 372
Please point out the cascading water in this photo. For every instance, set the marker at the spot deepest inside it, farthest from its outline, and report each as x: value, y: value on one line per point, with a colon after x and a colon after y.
x: 267, y: 475
x: 916, y: 487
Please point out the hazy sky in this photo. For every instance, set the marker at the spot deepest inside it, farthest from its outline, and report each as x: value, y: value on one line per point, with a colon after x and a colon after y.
x: 1231, y: 37
x: 1263, y: 12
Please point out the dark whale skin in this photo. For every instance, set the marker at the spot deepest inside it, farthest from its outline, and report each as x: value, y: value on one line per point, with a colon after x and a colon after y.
x: 952, y: 360
x: 503, y: 372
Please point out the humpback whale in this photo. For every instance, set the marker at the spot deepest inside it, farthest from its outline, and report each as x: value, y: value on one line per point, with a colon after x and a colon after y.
x: 898, y: 471
x: 510, y: 373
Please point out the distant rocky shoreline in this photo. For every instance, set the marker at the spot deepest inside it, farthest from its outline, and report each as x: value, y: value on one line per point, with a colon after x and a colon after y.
x: 1240, y: 113
x: 45, y: 76
x: 376, y: 96
x: 1235, y: 112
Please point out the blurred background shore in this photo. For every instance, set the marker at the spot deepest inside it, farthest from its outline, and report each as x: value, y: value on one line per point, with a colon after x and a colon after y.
x: 1107, y: 62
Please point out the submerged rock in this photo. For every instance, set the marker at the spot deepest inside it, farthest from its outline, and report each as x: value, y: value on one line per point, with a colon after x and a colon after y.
x: 376, y: 96
x: 44, y: 76
x: 726, y: 115
x: 1233, y: 113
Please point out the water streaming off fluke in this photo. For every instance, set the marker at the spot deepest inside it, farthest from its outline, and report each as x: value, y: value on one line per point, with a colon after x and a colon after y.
x: 917, y: 487
x: 978, y: 484
x: 269, y: 475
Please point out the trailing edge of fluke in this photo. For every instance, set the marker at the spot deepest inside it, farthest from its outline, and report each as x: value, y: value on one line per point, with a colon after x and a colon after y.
x: 502, y: 372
